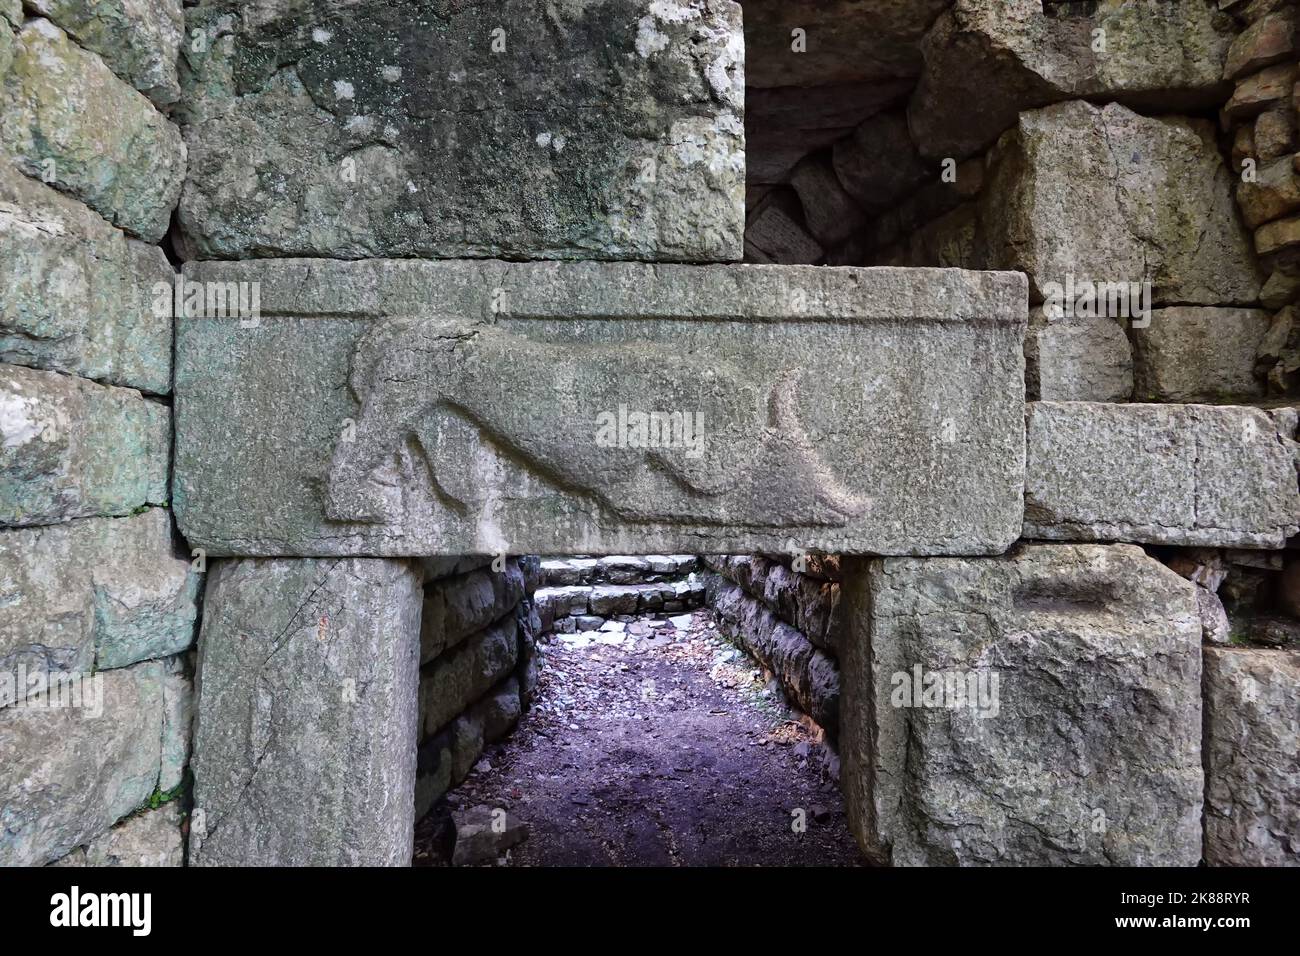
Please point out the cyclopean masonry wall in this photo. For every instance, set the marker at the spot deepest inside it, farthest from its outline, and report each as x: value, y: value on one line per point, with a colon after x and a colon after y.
x: 98, y: 597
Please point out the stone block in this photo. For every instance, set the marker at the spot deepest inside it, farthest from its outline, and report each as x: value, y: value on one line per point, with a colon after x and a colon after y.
x: 140, y: 42
x: 67, y: 119
x: 1107, y: 196
x: 610, y: 129
x: 70, y: 448
x: 147, y: 838
x: 1252, y: 757
x: 71, y: 772
x: 467, y: 672
x: 1041, y: 708
x: 809, y: 677
x: 80, y: 294
x: 918, y: 450
x: 1157, y: 57
x: 94, y: 594
x: 1158, y: 474
x: 456, y: 608
x: 1191, y: 354
x: 1078, y: 360
x: 305, y: 730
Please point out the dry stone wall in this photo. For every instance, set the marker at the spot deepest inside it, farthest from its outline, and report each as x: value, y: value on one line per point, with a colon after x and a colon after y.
x: 99, y: 596
x: 789, y: 621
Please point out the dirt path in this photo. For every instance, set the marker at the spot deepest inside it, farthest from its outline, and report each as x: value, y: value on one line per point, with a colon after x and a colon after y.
x: 661, y: 750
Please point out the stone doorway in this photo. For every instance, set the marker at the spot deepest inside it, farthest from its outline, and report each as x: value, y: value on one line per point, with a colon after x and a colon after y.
x: 667, y: 720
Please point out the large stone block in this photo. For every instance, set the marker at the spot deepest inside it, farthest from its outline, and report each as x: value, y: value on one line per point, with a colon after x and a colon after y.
x: 68, y: 773
x: 1108, y: 196
x: 1041, y: 708
x: 1252, y: 757
x: 1190, y: 354
x: 138, y: 39
x: 847, y: 410
x: 94, y: 594
x: 1158, y: 474
x: 1080, y: 360
x: 304, y: 742
x: 70, y: 448
x: 1161, y: 57
x: 79, y: 294
x: 67, y: 119
x: 611, y: 129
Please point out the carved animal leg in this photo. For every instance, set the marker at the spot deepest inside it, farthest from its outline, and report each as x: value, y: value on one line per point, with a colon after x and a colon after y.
x: 353, y: 496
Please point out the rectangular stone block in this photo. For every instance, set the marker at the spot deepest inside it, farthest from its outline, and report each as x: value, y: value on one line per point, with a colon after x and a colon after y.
x: 1158, y: 474
x: 454, y: 681
x: 456, y: 608
x: 1190, y: 354
x: 304, y: 740
x: 70, y: 448
x: 1041, y: 708
x: 66, y: 119
x: 79, y: 294
x: 139, y: 41
x: 1106, y: 195
x: 94, y: 594
x: 395, y: 408
x: 610, y: 129
x: 1252, y: 757
x: 68, y: 773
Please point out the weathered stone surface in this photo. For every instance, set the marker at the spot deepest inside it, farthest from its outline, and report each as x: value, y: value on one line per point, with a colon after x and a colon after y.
x: 94, y: 594
x: 79, y: 294
x: 847, y: 40
x: 1261, y: 91
x: 305, y: 730
x: 808, y: 676
x: 1083, y: 360
x: 774, y: 237
x: 485, y: 722
x: 178, y: 723
x: 1158, y: 474
x: 785, y: 124
x: 878, y: 164
x: 483, y: 833
x: 1086, y: 750
x: 1106, y: 195
x: 457, y: 608
x: 70, y: 448
x: 465, y: 673
x: 1263, y: 43
x: 148, y: 838
x: 65, y: 118
x: 72, y: 772
x: 138, y: 39
x: 810, y: 605
x: 1252, y: 757
x: 1194, y: 354
x: 1274, y: 193
x: 919, y: 450
x: 831, y: 213
x: 1274, y: 134
x: 1160, y: 57
x: 611, y: 129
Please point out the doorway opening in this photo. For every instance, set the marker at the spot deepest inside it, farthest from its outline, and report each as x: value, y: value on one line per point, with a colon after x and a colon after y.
x: 664, y: 720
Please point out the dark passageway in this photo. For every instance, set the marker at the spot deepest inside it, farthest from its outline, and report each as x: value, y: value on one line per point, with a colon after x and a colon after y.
x: 656, y: 745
